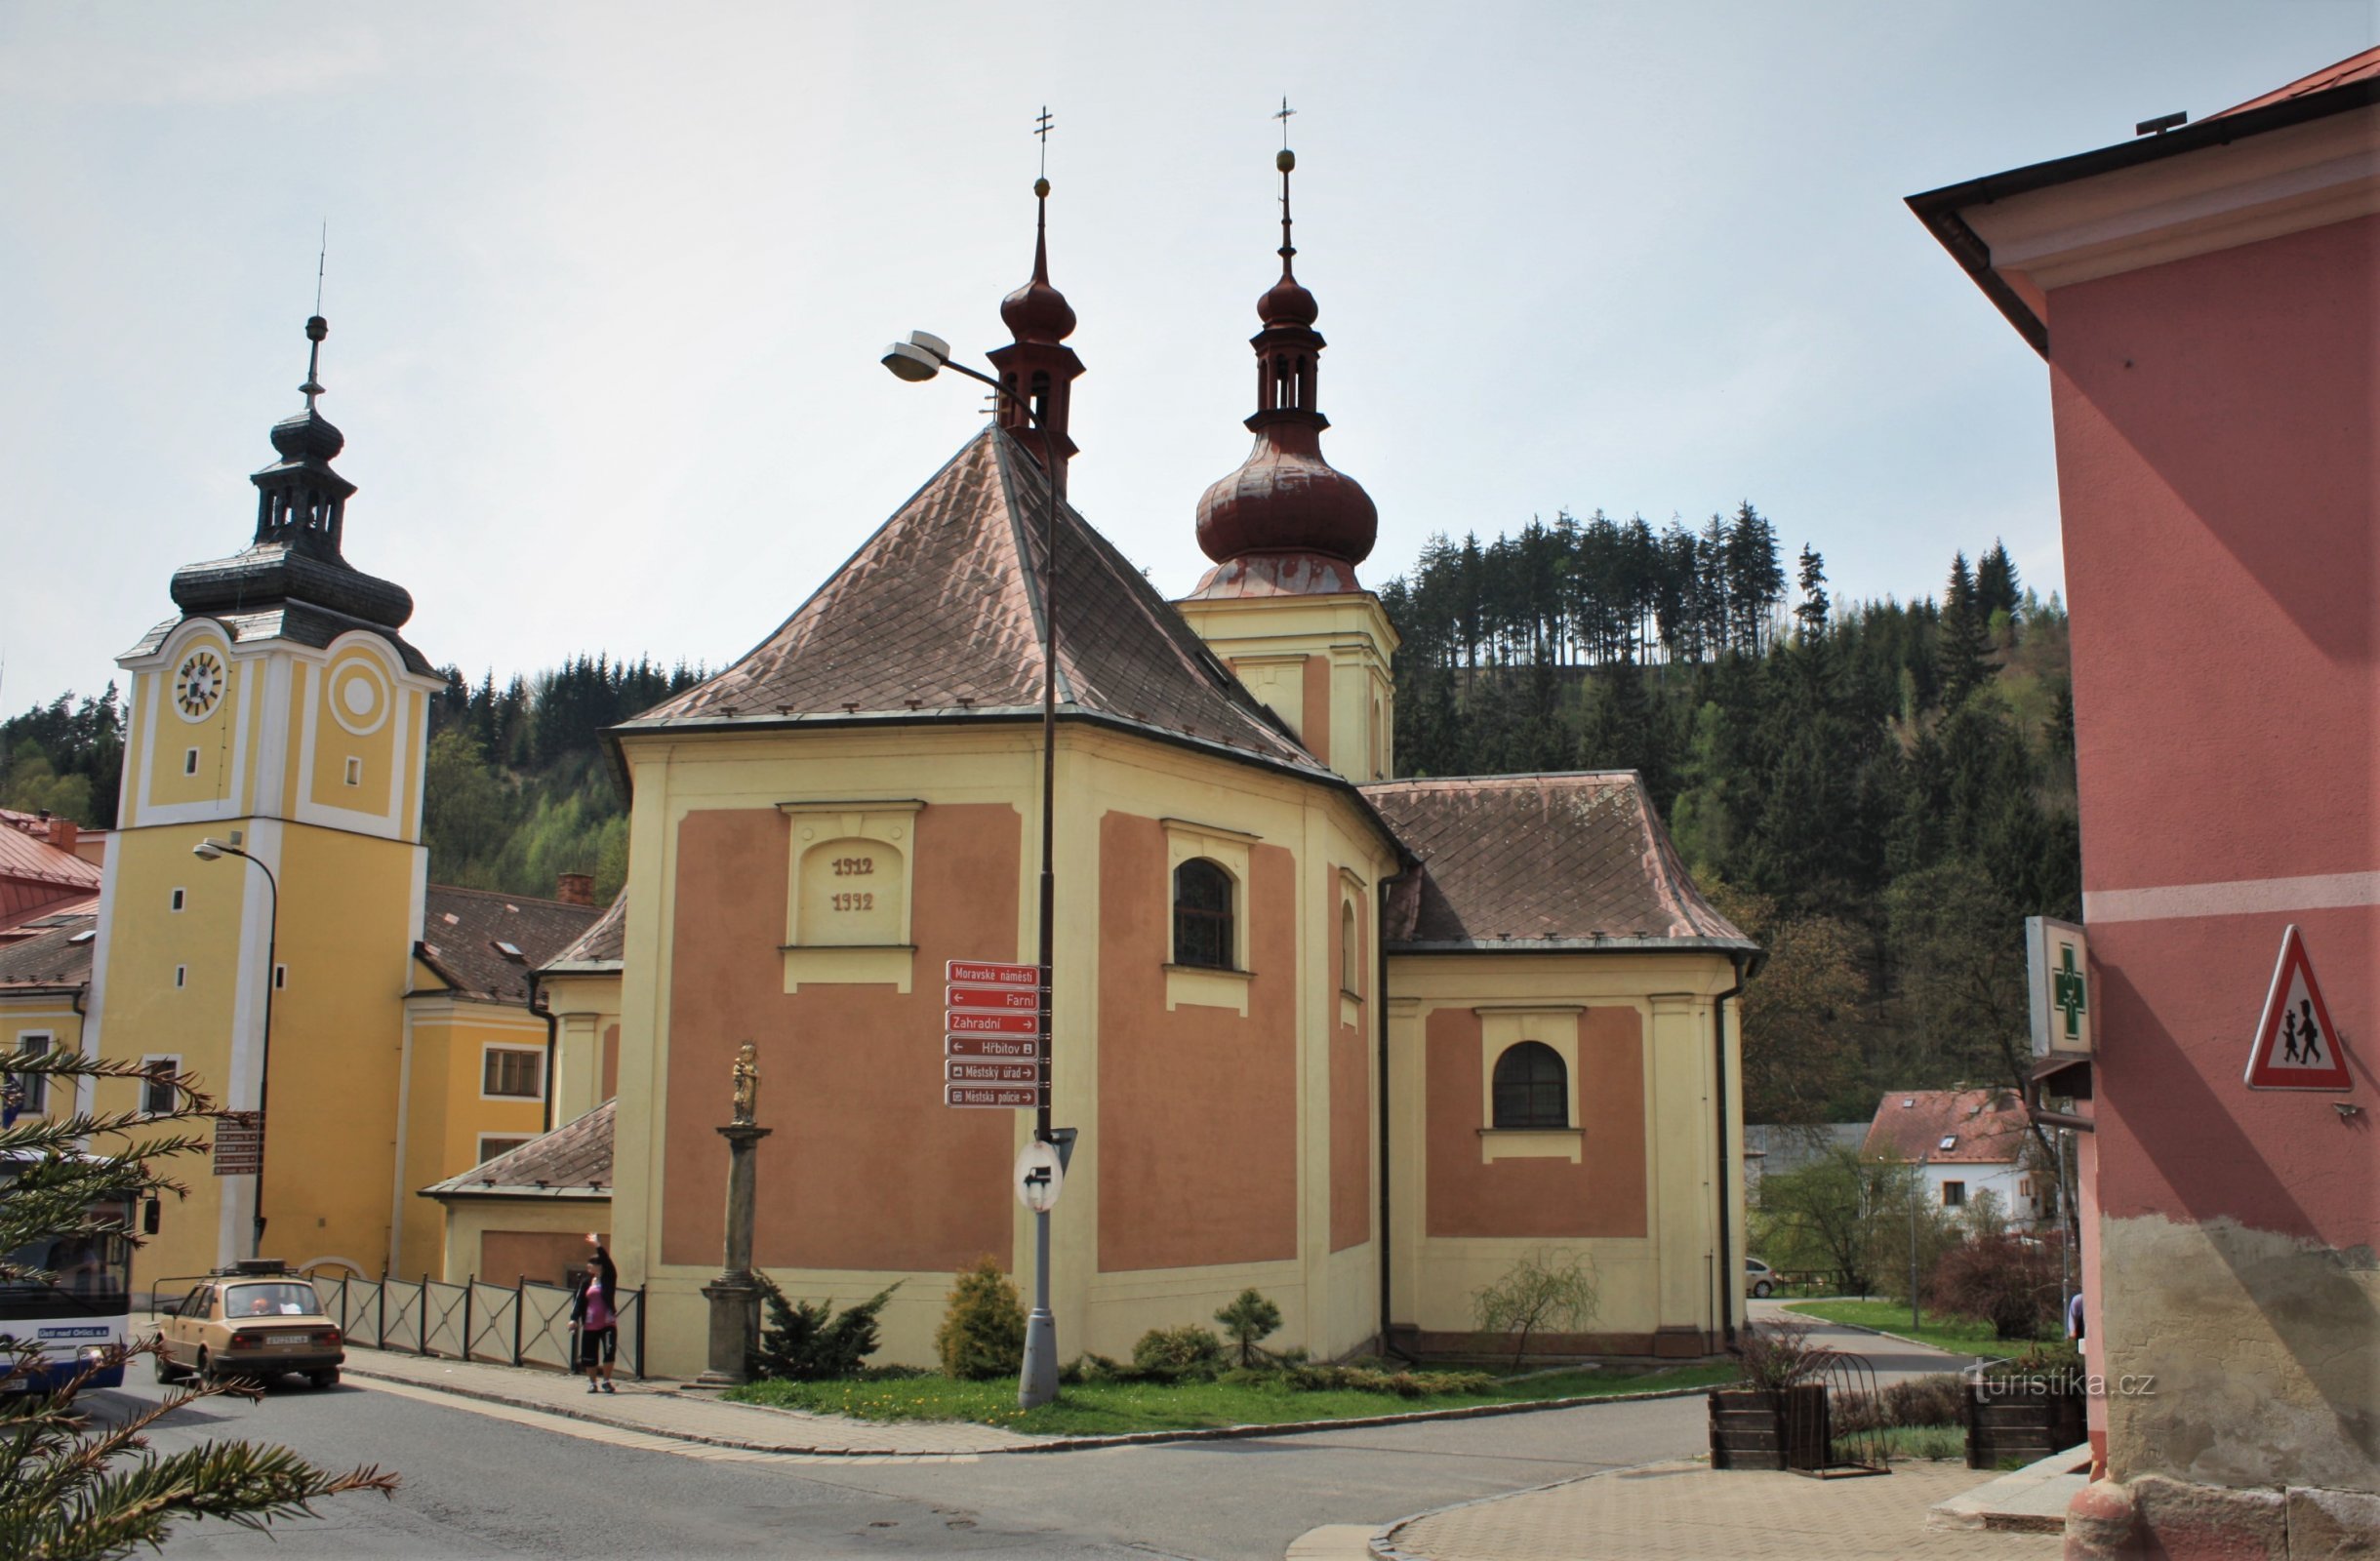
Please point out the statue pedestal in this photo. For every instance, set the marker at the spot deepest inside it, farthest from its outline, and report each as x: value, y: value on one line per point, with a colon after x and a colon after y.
x: 734, y: 1297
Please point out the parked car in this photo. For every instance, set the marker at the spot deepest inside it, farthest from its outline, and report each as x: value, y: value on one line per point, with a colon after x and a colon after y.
x: 1760, y: 1279
x: 253, y: 1321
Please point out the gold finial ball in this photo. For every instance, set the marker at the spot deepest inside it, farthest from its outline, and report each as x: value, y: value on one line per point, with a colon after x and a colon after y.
x: 1041, y: 187
x: 1286, y: 161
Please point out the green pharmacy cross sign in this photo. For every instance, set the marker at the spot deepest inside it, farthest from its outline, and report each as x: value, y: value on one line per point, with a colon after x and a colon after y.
x: 2068, y: 993
x: 2058, y: 964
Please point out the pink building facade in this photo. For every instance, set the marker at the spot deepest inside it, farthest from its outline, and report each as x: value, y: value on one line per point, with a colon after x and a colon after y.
x: 2206, y: 300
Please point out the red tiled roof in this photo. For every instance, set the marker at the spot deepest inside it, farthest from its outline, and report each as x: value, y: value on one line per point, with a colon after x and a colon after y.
x: 460, y: 929
x: 1541, y: 860
x: 938, y: 616
x: 27, y: 858
x: 1983, y: 1127
x: 2365, y: 66
x: 573, y: 1161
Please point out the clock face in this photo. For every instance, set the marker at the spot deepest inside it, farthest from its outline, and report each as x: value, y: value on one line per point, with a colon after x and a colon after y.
x: 198, y: 683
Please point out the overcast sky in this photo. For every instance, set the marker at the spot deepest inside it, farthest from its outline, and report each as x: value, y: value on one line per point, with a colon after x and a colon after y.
x: 607, y: 284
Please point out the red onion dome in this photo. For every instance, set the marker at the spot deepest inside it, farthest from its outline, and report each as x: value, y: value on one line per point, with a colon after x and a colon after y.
x: 1037, y: 312
x: 1285, y: 498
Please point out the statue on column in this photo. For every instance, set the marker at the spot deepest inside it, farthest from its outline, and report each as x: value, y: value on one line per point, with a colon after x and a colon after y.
x: 748, y: 1084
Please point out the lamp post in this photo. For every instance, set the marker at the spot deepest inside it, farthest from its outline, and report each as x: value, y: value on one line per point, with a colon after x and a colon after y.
x: 921, y: 358
x: 209, y: 850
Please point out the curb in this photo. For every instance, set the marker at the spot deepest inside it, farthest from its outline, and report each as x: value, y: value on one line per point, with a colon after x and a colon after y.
x: 1385, y: 1547
x: 1053, y: 1444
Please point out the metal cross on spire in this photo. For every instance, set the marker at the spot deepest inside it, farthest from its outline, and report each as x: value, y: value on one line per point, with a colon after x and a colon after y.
x: 316, y: 328
x: 1042, y: 129
x: 1283, y: 117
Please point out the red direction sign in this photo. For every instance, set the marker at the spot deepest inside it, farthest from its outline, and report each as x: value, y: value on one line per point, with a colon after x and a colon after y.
x: 994, y: 1096
x: 1008, y: 1047
x: 977, y: 972
x: 961, y: 1070
x: 1010, y: 999
x: 2297, y: 1047
x: 958, y: 1023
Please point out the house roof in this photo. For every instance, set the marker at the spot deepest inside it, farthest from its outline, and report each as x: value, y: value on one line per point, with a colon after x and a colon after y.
x: 573, y: 1161
x: 1981, y: 1126
x: 58, y: 954
x: 937, y: 617
x: 597, y: 950
x: 2365, y: 66
x: 461, y: 930
x: 1537, y: 862
x: 27, y: 857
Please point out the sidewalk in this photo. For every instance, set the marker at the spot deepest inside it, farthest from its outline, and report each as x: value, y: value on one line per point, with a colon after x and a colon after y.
x: 1689, y: 1512
x: 670, y: 1409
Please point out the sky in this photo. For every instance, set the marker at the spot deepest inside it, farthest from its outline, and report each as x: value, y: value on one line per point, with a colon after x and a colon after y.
x: 607, y: 284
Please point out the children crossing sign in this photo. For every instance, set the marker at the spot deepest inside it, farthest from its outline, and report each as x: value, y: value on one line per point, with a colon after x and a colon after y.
x: 2297, y: 1047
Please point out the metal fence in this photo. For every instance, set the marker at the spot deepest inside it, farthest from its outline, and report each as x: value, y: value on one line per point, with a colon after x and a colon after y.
x: 526, y: 1323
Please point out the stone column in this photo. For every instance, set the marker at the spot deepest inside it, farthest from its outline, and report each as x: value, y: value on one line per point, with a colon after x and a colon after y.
x: 735, y: 1299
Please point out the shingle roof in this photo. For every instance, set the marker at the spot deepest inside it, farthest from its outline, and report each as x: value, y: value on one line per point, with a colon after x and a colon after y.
x: 2364, y: 66
x: 52, y: 956
x: 460, y: 929
x: 1984, y: 1127
x: 1538, y: 861
x: 937, y: 616
x: 598, y: 948
x: 573, y: 1161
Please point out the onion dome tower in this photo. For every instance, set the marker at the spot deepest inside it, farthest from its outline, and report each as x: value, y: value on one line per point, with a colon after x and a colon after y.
x: 1286, y: 521
x: 1282, y: 606
x: 1037, y: 365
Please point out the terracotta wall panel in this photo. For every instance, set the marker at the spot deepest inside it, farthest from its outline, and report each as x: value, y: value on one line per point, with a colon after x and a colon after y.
x: 865, y: 1169
x: 1603, y: 1195
x: 1351, y: 1087
x: 1197, y: 1107
x: 1314, y: 733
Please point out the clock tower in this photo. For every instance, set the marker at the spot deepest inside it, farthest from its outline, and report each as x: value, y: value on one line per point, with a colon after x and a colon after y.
x: 282, y: 714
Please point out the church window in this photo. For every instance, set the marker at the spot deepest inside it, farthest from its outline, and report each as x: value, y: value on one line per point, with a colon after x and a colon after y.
x: 1202, y: 915
x: 182, y: 975
x: 178, y: 899
x: 190, y: 761
x: 1350, y: 967
x: 157, y: 1093
x: 355, y: 772
x: 512, y: 1072
x: 1532, y: 1088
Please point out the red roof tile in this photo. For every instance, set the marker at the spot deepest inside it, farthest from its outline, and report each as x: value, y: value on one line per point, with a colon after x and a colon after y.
x: 1541, y: 860
x: 1980, y: 1126
x: 2365, y: 66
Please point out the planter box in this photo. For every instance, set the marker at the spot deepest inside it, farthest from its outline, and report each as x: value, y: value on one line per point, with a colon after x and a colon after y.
x: 2020, y: 1419
x: 1759, y: 1429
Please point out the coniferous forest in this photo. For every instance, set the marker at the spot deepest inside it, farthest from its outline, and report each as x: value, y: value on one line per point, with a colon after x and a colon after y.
x: 1878, y: 791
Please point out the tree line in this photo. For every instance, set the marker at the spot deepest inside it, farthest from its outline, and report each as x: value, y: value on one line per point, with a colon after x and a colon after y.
x: 1878, y: 791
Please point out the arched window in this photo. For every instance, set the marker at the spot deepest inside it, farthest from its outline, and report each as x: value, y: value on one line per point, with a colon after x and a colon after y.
x: 1532, y: 1088
x: 1202, y: 915
x: 1351, y: 971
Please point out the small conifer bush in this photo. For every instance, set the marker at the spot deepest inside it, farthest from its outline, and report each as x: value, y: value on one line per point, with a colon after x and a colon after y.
x: 809, y: 1341
x: 1173, y: 1354
x: 983, y: 1327
x: 1247, y: 1322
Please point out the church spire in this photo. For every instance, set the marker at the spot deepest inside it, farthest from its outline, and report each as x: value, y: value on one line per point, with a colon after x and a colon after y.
x: 1036, y: 366
x: 1286, y: 522
x: 298, y: 496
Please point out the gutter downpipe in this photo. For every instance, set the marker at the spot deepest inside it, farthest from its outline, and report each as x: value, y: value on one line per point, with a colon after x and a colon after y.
x: 554, y: 1020
x: 1379, y: 1020
x: 1731, y: 1278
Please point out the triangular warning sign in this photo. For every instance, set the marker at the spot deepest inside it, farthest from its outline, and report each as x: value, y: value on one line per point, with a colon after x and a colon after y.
x: 2297, y: 1047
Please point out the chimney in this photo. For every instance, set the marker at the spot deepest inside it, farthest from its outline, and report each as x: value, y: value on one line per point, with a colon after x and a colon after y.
x: 62, y: 833
x: 571, y: 888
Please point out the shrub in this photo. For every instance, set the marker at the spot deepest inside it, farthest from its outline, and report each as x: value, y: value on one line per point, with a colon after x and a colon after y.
x: 1550, y: 1289
x: 1928, y: 1401
x: 2005, y: 1280
x: 1172, y: 1354
x: 1323, y: 1379
x: 807, y: 1342
x: 1779, y: 1354
x: 982, y: 1326
x: 1247, y: 1321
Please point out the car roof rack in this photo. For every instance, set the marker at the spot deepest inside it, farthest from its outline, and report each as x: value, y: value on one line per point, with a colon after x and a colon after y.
x: 253, y: 1268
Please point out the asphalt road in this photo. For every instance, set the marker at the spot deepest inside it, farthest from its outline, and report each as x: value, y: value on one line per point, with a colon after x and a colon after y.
x: 484, y: 1481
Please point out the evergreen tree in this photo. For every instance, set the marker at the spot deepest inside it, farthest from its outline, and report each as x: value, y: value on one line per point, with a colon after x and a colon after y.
x: 1811, y: 615
x: 1963, y: 644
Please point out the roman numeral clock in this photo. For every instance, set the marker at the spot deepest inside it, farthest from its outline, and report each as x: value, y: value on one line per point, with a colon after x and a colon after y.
x: 198, y: 683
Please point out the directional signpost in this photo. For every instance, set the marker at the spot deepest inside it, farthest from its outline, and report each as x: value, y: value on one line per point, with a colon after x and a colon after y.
x: 991, y: 1037
x: 239, y: 1143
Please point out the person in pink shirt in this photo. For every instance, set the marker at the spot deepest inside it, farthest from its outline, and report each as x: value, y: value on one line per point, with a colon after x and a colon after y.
x: 594, y: 1313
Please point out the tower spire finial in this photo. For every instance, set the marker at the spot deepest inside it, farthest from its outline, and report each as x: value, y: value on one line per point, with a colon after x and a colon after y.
x: 1036, y: 367
x: 1286, y: 161
x: 316, y: 327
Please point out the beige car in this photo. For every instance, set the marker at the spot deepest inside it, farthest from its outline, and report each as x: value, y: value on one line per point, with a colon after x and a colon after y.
x: 253, y: 1322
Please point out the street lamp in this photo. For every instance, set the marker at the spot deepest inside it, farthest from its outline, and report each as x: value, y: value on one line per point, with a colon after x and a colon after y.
x: 922, y: 356
x: 211, y: 850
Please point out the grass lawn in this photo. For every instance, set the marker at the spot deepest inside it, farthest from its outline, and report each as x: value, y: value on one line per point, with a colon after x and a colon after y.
x: 1957, y: 1334
x: 1112, y: 1409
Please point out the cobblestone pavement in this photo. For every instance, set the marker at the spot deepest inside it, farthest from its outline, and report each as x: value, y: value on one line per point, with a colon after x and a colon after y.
x: 1693, y: 1513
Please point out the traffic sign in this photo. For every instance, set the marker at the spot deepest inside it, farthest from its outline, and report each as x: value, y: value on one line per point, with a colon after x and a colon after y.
x: 1000, y: 1046
x: 239, y: 1143
x: 969, y: 1023
x: 966, y: 1070
x: 976, y: 972
x: 1013, y: 999
x: 2297, y: 1047
x: 995, y: 1097
x: 1040, y: 1176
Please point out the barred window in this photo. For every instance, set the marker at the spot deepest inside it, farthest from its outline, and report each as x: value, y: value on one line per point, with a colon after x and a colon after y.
x: 1202, y: 915
x: 1532, y: 1088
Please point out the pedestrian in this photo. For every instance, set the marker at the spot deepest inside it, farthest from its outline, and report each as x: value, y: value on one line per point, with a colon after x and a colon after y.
x: 594, y: 1309
x: 2074, y: 1318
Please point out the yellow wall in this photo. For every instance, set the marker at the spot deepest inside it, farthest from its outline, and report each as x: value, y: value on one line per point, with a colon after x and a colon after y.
x: 468, y: 1222
x: 446, y: 1111
x: 1327, y: 1299
x: 1288, y: 647
x: 588, y: 1010
x: 24, y: 1014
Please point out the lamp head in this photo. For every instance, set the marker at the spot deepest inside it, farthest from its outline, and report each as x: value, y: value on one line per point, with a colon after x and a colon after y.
x: 919, y: 358
x: 209, y: 850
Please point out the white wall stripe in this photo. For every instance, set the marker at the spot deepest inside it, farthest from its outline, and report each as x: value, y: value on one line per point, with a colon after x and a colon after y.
x: 2240, y: 896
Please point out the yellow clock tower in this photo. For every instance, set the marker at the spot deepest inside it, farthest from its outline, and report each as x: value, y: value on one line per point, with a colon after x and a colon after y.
x: 264, y: 888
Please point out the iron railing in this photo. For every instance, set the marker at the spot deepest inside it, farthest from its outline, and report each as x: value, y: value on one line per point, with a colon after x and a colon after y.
x: 526, y: 1323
